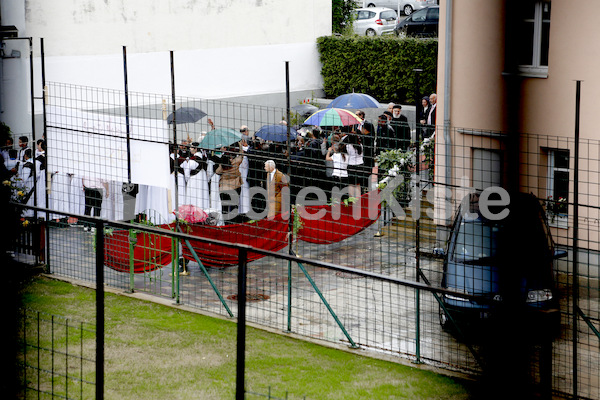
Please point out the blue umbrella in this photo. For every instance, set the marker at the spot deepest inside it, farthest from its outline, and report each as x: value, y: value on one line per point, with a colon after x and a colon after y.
x: 276, y: 133
x: 354, y: 101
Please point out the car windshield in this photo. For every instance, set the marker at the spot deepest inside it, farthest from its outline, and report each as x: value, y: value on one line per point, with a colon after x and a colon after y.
x: 476, y: 241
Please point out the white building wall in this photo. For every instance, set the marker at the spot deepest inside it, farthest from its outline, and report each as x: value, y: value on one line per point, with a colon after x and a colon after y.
x: 222, y: 48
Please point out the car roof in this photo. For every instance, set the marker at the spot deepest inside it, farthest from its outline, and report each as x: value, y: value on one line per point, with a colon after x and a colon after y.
x: 374, y: 9
x: 519, y: 203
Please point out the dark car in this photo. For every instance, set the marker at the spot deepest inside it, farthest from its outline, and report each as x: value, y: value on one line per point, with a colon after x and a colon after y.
x: 507, y: 264
x: 421, y: 23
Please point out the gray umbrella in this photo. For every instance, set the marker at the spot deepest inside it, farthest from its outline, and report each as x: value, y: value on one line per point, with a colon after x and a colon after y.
x: 304, y: 109
x: 186, y: 115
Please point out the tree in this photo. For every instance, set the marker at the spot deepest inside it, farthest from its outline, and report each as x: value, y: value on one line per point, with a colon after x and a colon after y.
x: 342, y: 14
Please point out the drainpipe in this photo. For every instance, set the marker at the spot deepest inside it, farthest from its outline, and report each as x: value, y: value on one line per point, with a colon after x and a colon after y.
x: 447, y: 88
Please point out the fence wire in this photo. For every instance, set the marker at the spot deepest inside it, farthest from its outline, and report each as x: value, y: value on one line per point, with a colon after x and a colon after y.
x: 56, y: 357
x: 405, y: 237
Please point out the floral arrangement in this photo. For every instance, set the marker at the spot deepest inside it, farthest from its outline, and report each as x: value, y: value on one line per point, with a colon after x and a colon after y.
x: 17, y: 188
x: 397, y: 162
x: 428, y: 150
x: 557, y: 207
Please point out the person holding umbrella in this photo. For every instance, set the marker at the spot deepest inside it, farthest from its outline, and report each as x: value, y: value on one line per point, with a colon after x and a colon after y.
x: 197, y: 183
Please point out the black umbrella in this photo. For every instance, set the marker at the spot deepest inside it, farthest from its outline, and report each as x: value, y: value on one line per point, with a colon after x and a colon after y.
x: 186, y: 115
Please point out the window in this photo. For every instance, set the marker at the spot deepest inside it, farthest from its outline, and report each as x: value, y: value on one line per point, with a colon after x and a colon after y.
x: 389, y: 15
x: 533, y: 37
x: 419, y: 16
x: 558, y: 182
x: 365, y: 15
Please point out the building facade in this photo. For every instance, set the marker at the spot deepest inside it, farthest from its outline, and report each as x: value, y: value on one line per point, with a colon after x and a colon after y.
x: 507, y: 73
x: 222, y: 49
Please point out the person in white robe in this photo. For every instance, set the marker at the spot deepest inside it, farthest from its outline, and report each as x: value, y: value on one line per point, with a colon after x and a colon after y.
x: 214, y: 161
x: 60, y: 186
x: 197, y: 192
x: 38, y: 196
x: 244, y: 204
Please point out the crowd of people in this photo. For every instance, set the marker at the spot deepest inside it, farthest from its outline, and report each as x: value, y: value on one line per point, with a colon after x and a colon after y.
x: 221, y: 180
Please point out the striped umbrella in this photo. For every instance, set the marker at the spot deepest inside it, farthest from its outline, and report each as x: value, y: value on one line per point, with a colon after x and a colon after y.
x: 333, y: 117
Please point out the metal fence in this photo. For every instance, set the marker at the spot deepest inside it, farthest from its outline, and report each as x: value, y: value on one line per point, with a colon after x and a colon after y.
x: 56, y: 357
x: 387, y: 295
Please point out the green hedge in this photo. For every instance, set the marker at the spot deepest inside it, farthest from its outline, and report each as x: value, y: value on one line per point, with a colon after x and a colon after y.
x: 381, y: 66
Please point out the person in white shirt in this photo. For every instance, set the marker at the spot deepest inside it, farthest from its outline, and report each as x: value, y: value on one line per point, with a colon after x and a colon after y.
x: 337, y: 155
x: 356, y: 164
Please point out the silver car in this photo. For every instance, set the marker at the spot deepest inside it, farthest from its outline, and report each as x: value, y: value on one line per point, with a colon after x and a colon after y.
x: 374, y: 21
x: 405, y: 6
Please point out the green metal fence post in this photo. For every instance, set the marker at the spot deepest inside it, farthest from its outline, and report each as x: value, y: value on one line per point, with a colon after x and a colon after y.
x: 205, y: 272
x: 175, y: 267
x: 289, y: 300
x: 240, y: 391
x: 326, y: 303
x: 418, y: 326
x: 132, y: 239
x: 100, y: 310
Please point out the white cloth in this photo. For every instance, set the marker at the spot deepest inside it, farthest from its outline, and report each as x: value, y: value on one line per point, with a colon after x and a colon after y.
x: 244, y: 204
x: 76, y: 196
x: 157, y: 205
x: 112, y: 206
x: 141, y: 199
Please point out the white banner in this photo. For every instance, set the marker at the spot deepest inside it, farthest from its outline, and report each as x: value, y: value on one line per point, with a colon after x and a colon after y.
x: 95, y: 145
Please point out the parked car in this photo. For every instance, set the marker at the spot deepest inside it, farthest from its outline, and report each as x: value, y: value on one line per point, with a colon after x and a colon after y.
x: 506, y: 264
x: 404, y: 6
x: 374, y: 21
x: 420, y: 23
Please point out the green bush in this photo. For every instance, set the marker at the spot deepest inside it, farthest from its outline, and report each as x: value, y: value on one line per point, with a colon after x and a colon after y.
x: 381, y: 66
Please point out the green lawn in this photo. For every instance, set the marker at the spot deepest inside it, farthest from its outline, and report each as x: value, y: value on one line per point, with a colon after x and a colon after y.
x: 158, y: 352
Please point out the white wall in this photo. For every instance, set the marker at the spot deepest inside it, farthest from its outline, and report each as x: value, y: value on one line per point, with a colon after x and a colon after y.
x: 222, y: 48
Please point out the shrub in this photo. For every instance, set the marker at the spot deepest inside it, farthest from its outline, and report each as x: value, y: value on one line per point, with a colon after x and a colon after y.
x: 381, y: 66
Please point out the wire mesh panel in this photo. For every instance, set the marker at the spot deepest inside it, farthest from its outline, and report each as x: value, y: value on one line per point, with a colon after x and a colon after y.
x: 380, y: 197
x: 57, y: 357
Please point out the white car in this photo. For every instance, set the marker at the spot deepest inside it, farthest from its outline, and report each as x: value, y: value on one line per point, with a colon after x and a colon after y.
x: 406, y: 6
x: 374, y: 21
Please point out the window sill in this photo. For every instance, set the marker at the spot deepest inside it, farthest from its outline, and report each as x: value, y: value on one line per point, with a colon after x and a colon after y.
x: 559, y: 221
x: 542, y: 74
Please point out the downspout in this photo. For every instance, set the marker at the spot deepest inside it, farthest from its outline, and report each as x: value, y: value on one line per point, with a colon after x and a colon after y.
x: 447, y: 88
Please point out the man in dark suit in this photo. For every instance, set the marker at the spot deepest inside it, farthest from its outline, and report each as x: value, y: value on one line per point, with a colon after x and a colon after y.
x: 431, y: 115
x: 402, y: 131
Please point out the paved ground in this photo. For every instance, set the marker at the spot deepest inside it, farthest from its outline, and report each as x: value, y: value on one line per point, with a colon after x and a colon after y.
x: 378, y: 316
